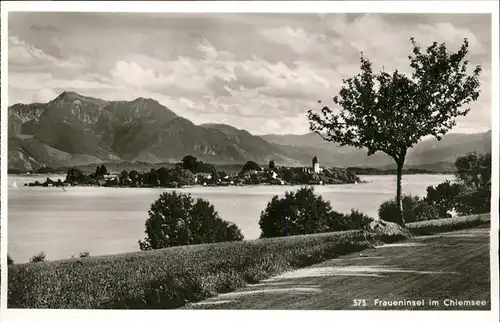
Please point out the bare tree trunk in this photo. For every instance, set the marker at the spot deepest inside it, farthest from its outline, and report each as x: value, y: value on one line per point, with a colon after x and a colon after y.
x: 398, y: 192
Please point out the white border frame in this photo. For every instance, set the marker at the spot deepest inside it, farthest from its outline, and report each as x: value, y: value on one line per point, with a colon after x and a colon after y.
x: 491, y: 7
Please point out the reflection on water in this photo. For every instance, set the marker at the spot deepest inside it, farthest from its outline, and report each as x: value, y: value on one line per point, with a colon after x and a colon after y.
x: 111, y: 220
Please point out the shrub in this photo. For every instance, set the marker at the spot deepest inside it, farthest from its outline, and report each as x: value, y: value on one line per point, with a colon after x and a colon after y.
x: 357, y: 220
x: 40, y: 257
x: 175, y: 219
x: 443, y: 197
x: 474, y: 175
x: 10, y: 261
x: 84, y: 254
x: 474, y: 170
x: 471, y: 193
x: 303, y: 212
x: 414, y: 209
x: 471, y: 202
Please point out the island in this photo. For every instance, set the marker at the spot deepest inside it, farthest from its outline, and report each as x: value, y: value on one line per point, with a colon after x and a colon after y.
x: 193, y: 172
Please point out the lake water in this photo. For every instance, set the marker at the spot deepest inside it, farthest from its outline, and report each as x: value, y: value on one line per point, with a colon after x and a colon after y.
x: 111, y: 220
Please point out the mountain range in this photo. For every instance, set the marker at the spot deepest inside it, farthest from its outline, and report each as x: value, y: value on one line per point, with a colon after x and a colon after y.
x: 73, y: 129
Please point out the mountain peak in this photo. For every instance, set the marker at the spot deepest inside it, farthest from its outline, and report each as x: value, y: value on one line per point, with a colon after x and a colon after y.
x: 145, y: 100
x: 68, y: 95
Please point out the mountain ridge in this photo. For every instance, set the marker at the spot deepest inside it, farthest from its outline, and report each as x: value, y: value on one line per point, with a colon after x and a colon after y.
x: 73, y: 129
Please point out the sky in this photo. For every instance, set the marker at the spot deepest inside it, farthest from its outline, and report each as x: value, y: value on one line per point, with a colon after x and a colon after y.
x: 258, y: 72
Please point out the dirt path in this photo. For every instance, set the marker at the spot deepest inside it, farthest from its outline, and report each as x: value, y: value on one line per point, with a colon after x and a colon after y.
x: 444, y: 268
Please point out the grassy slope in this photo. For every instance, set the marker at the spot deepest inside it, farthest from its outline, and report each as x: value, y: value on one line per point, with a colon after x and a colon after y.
x: 468, y: 256
x: 171, y: 277
x: 447, y: 224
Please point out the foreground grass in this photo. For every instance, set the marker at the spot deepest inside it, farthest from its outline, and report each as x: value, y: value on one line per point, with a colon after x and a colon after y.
x: 448, y: 224
x: 449, y: 266
x: 170, y: 278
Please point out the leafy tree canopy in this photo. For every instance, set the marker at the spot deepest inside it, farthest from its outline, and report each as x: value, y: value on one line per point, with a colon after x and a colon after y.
x: 176, y: 219
x: 304, y: 212
x: 250, y: 165
x: 391, y: 112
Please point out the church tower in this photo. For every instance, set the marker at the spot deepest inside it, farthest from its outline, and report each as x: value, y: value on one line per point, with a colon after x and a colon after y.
x: 315, y: 164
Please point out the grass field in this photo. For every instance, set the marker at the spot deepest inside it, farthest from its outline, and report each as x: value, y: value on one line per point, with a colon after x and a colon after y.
x: 169, y: 278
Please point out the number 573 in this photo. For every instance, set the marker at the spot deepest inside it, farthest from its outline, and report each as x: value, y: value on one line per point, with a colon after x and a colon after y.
x: 357, y: 302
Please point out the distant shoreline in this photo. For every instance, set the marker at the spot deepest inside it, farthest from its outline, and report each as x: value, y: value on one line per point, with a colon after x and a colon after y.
x: 381, y: 173
x: 67, y: 185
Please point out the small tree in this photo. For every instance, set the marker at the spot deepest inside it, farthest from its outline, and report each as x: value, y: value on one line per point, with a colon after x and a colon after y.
x: 164, y: 176
x: 303, y: 212
x: 443, y: 197
x: 84, y: 255
x: 103, y: 170
x: 272, y: 165
x: 75, y: 175
x: 190, y: 163
x: 474, y: 170
x: 175, y: 219
x: 250, y: 165
x: 414, y: 209
x: 134, y: 176
x: 392, y: 112
x: 474, y: 176
x: 123, y: 177
x: 40, y: 257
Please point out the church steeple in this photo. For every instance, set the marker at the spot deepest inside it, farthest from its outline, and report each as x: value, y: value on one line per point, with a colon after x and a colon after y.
x: 315, y: 166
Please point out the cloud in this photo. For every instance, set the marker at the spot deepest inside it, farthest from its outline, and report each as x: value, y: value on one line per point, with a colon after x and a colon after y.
x: 448, y: 33
x: 23, y: 54
x: 44, y: 28
x: 45, y: 95
x: 261, y: 74
x: 300, y: 41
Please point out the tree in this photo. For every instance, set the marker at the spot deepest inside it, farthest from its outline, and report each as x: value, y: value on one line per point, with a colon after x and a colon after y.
x: 103, y: 171
x: 75, y: 175
x: 303, y: 212
x: 134, y: 177
x: 443, y: 197
x: 474, y: 170
x: 123, y: 177
x: 474, y: 176
x: 250, y: 165
x: 97, y: 173
x: 175, y: 219
x: 414, y: 209
x: 40, y: 257
x: 272, y: 165
x: 163, y: 176
x: 182, y: 176
x: 190, y: 163
x: 392, y: 112
x: 203, y: 167
x: 288, y: 175
x: 151, y: 178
